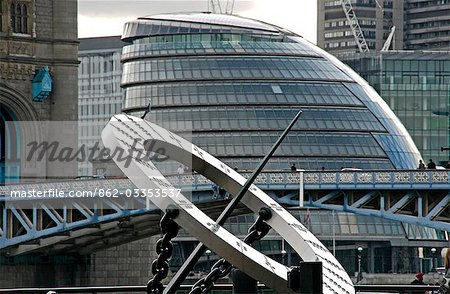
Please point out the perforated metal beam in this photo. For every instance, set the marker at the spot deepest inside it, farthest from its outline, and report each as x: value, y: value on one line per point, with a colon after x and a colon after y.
x: 123, y: 131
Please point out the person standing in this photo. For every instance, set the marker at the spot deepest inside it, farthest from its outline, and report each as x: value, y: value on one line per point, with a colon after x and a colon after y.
x: 421, y: 165
x: 418, y: 281
x: 180, y: 170
x: 293, y: 167
x: 431, y: 164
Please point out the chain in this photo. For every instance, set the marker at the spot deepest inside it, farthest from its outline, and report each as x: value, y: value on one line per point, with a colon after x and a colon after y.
x: 222, y: 268
x: 164, y: 248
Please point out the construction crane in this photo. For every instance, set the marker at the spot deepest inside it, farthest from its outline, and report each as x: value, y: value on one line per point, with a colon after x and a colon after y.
x: 354, y: 25
x: 215, y: 6
x: 388, y: 42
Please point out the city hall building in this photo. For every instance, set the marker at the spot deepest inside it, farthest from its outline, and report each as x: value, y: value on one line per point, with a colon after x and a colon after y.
x: 234, y: 84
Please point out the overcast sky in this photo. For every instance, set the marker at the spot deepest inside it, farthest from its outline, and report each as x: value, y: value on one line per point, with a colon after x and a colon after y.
x: 106, y: 17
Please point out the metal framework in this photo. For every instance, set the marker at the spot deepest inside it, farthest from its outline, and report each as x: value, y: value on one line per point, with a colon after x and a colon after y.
x: 123, y: 131
x: 354, y: 26
x: 40, y: 226
x: 388, y: 42
x: 216, y: 7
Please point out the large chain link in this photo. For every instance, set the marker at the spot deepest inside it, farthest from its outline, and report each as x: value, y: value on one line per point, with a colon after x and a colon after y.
x: 164, y: 249
x: 222, y: 268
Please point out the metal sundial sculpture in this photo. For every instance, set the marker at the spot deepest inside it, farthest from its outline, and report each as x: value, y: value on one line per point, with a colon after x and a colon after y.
x: 135, y: 135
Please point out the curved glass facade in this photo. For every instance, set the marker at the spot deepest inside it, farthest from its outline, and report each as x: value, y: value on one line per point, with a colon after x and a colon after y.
x: 237, y: 83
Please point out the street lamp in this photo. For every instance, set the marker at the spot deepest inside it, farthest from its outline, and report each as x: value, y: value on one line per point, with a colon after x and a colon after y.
x: 359, y: 277
x: 433, y: 252
x: 208, y: 253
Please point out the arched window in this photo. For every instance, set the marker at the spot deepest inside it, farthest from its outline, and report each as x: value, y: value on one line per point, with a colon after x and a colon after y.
x: 19, y: 18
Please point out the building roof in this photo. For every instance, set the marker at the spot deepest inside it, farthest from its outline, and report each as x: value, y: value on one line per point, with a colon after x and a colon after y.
x: 197, y: 23
x: 101, y: 43
x: 215, y: 19
x: 417, y: 55
x: 401, y: 55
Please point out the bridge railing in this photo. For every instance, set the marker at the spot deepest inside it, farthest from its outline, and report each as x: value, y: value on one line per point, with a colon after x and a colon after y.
x: 420, y: 179
x: 389, y: 179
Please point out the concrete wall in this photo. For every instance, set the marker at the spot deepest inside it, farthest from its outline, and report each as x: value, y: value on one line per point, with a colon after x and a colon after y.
x: 128, y: 264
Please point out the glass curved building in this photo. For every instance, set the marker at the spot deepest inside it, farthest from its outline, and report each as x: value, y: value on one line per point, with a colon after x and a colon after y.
x: 236, y: 83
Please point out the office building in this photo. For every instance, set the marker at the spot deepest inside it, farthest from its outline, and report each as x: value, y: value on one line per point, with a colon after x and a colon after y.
x: 100, y: 95
x: 419, y: 25
x: 415, y: 85
x: 427, y: 25
x: 375, y: 18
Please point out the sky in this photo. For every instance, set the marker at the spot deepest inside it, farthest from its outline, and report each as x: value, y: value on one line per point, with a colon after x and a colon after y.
x: 106, y: 17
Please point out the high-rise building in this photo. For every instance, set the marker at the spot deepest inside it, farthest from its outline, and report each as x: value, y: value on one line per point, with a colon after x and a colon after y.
x: 100, y: 95
x: 416, y: 86
x: 419, y: 25
x: 38, y: 79
x: 375, y: 18
x: 427, y: 25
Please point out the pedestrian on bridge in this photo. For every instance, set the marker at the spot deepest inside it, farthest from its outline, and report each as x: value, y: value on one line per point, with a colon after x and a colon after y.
x: 293, y: 167
x: 418, y: 281
x: 431, y: 164
x: 421, y: 165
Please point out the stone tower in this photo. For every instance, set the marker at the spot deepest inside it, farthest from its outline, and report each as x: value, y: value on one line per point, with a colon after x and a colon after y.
x: 35, y: 34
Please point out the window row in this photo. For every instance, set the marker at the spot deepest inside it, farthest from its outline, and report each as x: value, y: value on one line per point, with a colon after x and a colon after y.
x: 342, y: 23
x: 296, y: 138
x: 400, y: 150
x: 91, y: 134
x: 349, y: 224
x: 191, y: 94
x: 421, y: 4
x: 320, y: 144
x: 283, y: 163
x: 99, y: 109
x: 254, y: 124
x: 338, y: 34
x: 417, y: 66
x: 231, y: 68
x: 205, y: 37
x: 346, y: 44
x: 310, y: 163
x: 208, y: 47
x: 167, y: 28
x: 238, y: 118
x: 104, y: 64
x: 299, y: 150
